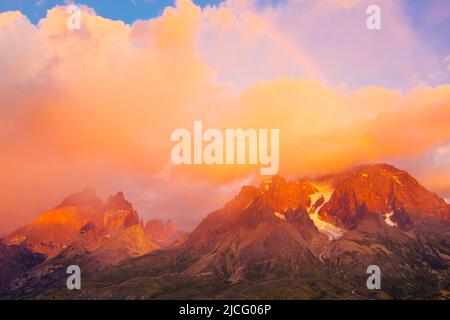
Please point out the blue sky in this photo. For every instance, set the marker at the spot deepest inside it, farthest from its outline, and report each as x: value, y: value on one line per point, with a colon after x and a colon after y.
x: 431, y: 20
x: 126, y: 10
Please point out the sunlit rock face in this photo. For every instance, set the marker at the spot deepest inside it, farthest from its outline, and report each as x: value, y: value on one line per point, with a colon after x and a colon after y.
x: 380, y: 189
x: 83, y: 220
x: 52, y: 231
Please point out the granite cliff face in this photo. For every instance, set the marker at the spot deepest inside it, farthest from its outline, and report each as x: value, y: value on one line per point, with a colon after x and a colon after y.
x: 380, y: 189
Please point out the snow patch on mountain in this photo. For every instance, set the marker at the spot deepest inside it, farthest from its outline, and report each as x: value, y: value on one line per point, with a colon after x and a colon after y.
x: 280, y: 216
x: 388, y: 219
x: 325, y: 192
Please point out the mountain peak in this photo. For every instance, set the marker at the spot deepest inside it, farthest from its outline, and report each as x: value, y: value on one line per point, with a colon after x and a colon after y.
x: 87, y: 197
x: 382, y: 189
x: 272, y: 183
x: 282, y: 195
x: 118, y: 202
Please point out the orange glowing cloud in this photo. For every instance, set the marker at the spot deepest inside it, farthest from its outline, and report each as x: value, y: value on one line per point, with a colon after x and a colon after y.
x: 97, y: 106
